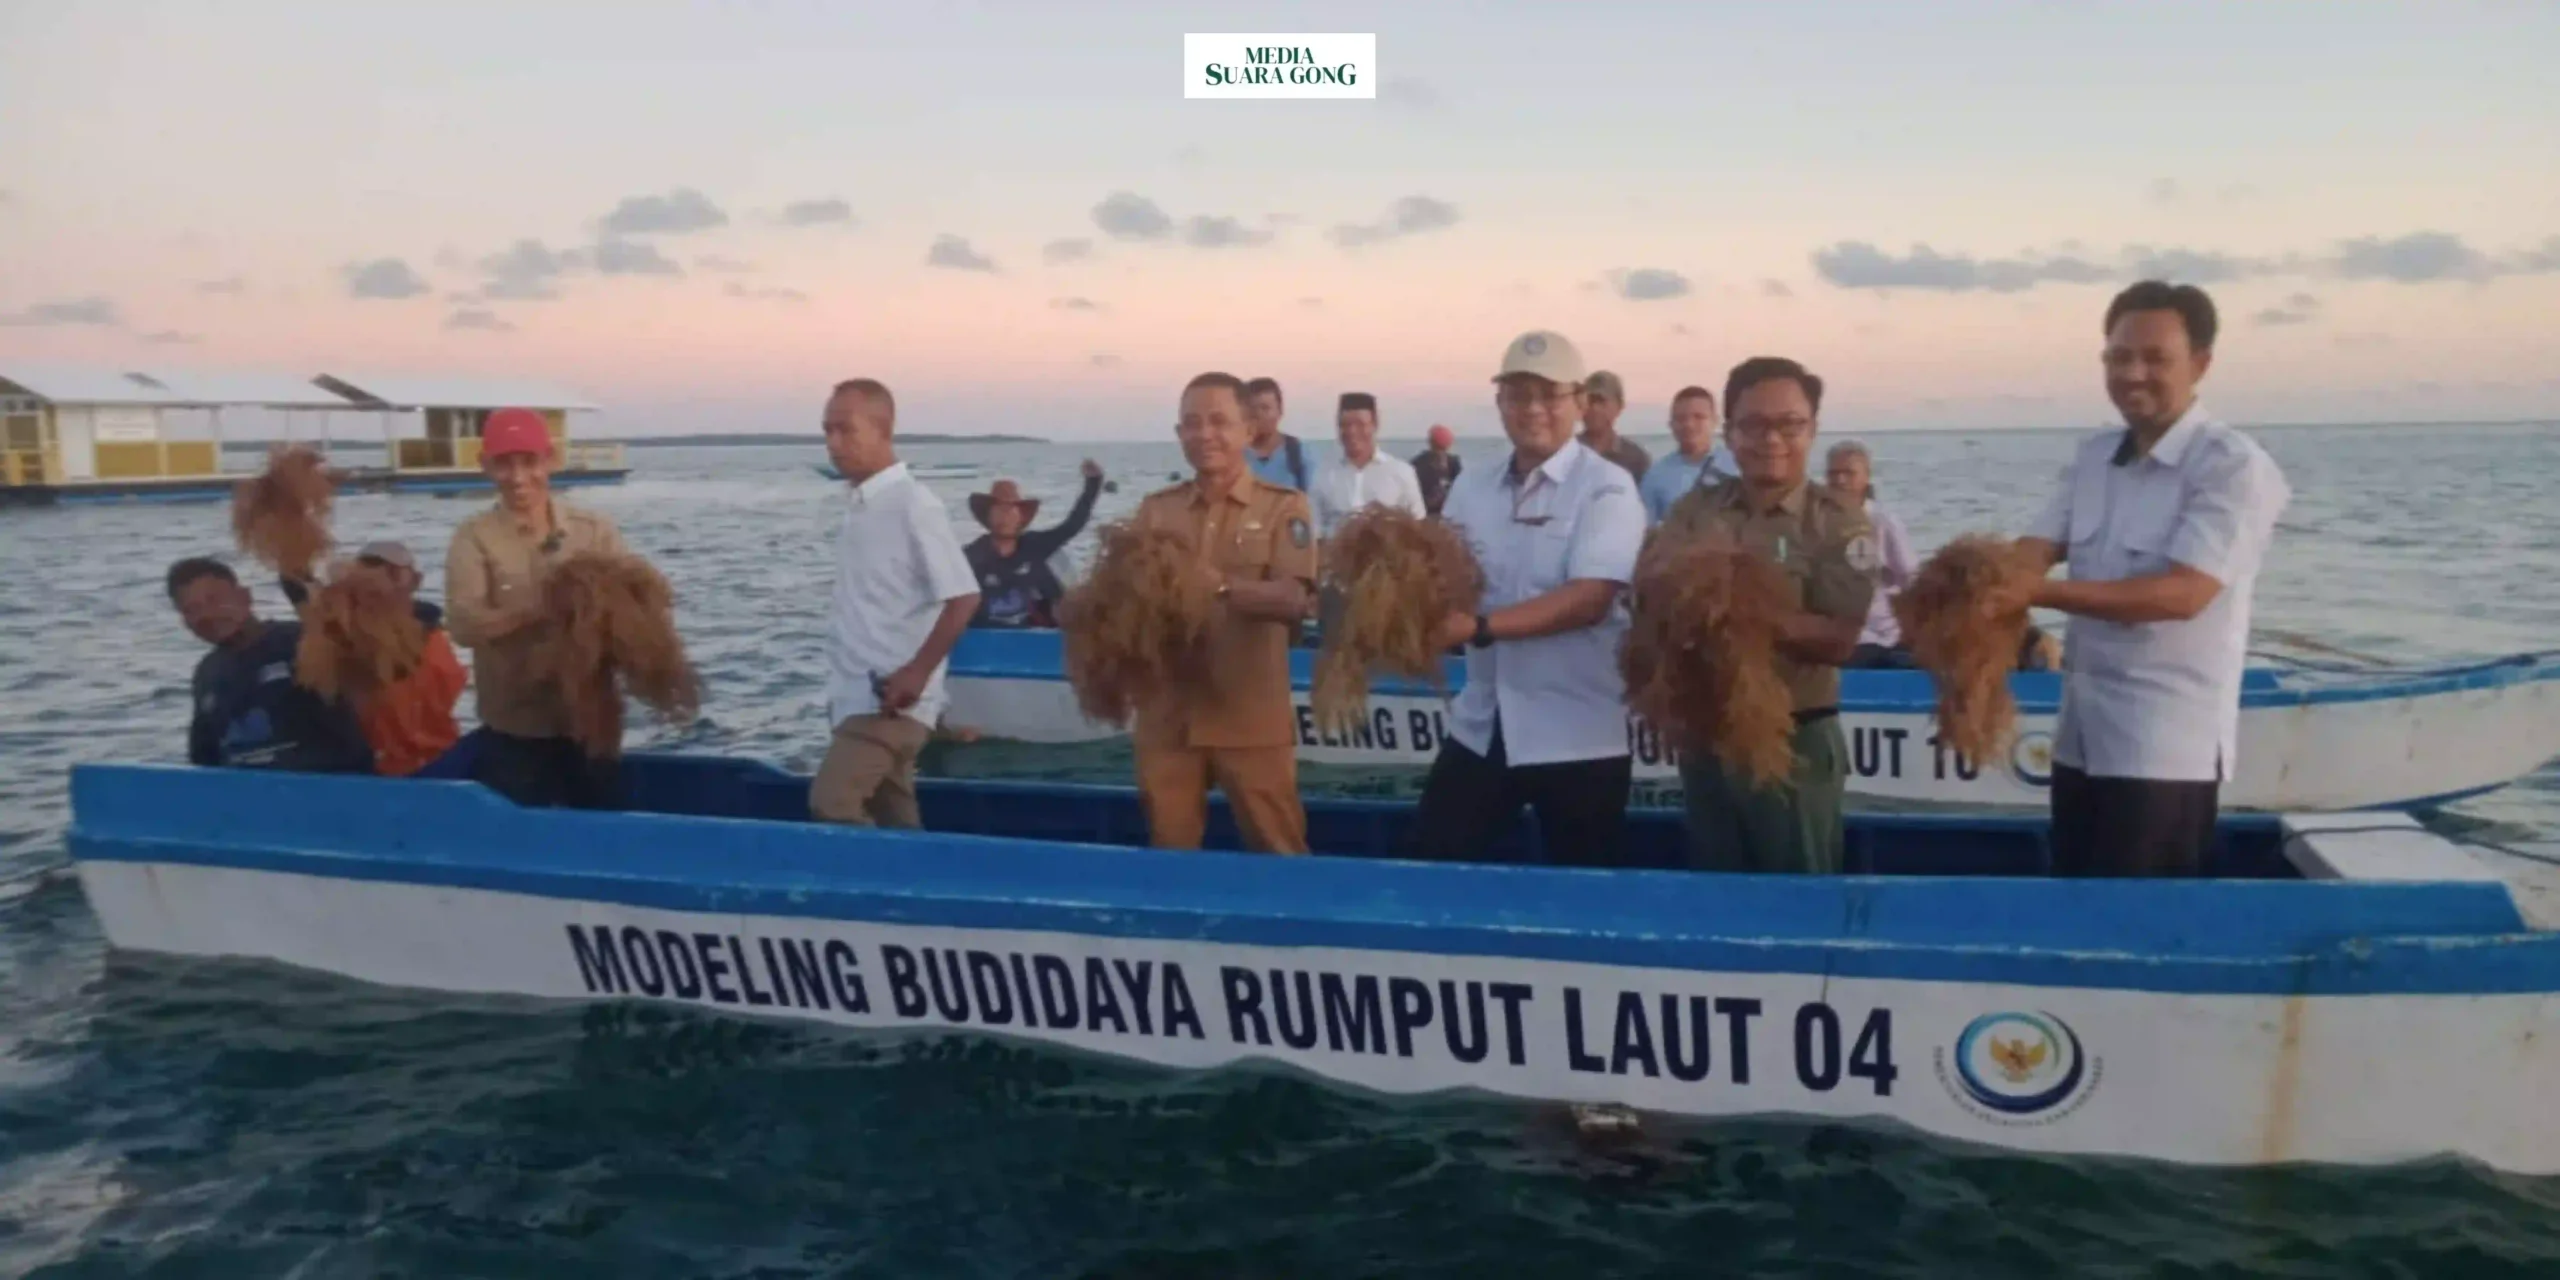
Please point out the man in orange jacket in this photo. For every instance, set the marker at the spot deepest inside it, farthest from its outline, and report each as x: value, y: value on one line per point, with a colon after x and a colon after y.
x: 410, y: 723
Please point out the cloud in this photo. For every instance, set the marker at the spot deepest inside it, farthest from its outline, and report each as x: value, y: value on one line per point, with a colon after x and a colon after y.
x: 525, y: 271
x: 1775, y: 289
x: 766, y: 294
x: 631, y: 258
x: 1312, y: 304
x: 1104, y: 360
x: 954, y: 252
x: 2193, y: 266
x: 1679, y: 331
x: 1123, y: 215
x: 678, y: 212
x: 477, y: 319
x: 1071, y: 250
x: 718, y: 265
x: 827, y: 212
x: 2165, y: 191
x: 1648, y: 284
x: 227, y: 287
x: 1190, y: 159
x: 1074, y: 304
x: 1857, y: 264
x: 2300, y: 308
x: 1411, y: 216
x: 1409, y: 93
x: 2531, y: 262
x: 382, y: 278
x: 2418, y: 257
x: 171, y: 338
x: 1206, y: 232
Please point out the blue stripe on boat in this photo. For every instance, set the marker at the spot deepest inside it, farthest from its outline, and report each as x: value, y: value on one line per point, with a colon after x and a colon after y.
x: 2267, y: 936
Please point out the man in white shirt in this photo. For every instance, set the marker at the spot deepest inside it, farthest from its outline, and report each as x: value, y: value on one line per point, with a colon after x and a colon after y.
x: 1362, y: 476
x: 2164, y: 525
x: 1700, y: 462
x: 1542, y: 718
x: 903, y: 595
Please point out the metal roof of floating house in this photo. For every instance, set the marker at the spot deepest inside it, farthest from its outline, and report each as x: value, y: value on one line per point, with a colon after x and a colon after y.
x: 397, y: 392
x: 207, y: 389
x: 70, y: 385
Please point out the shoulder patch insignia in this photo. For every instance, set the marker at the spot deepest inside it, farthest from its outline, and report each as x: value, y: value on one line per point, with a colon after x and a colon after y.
x: 1298, y: 532
x: 1863, y: 555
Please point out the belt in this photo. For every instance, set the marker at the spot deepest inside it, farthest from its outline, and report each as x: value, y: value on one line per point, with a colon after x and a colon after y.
x: 1816, y: 715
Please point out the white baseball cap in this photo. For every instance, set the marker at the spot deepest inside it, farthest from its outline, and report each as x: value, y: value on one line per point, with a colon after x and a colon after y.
x: 388, y: 553
x: 1542, y: 353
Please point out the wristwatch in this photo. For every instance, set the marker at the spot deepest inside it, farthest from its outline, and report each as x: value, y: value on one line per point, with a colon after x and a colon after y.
x: 1483, y: 638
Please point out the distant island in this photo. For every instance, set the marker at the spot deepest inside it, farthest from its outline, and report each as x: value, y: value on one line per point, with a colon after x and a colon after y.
x: 809, y: 438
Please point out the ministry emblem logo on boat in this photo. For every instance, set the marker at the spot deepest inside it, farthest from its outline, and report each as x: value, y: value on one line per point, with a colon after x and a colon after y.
x: 2031, y: 758
x: 2018, y: 1068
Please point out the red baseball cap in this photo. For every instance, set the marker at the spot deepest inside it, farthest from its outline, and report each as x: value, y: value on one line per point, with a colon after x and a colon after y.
x: 514, y: 431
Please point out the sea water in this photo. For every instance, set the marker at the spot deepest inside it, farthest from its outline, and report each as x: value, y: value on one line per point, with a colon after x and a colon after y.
x: 165, y: 1118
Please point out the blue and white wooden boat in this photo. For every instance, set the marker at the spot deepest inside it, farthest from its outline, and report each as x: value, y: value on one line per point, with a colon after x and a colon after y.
x: 2355, y: 989
x: 2309, y: 739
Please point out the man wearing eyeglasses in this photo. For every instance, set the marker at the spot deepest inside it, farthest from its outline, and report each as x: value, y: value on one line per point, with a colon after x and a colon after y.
x: 1542, y: 718
x: 1828, y: 549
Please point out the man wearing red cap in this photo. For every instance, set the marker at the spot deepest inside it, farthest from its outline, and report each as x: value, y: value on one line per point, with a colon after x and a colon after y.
x: 493, y: 601
x: 1437, y: 468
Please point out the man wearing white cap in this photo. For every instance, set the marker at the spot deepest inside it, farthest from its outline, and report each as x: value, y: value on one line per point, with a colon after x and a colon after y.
x: 1542, y: 719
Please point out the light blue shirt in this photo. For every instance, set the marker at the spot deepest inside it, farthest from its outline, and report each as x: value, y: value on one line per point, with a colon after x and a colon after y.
x: 1557, y: 698
x: 1673, y: 475
x: 1275, y: 469
x: 2161, y: 700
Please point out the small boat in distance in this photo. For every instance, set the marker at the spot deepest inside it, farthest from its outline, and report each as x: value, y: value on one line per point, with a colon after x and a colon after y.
x: 2348, y: 988
x: 2311, y: 738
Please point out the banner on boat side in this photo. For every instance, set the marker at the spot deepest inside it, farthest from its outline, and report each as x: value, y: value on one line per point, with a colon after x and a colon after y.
x: 1297, y: 65
x: 2070, y: 1068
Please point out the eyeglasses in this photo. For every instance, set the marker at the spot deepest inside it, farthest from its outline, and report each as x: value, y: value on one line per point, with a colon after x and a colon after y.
x: 1767, y: 428
x: 1554, y: 397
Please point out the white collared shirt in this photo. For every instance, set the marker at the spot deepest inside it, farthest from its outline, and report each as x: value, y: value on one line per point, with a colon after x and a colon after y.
x: 1557, y: 698
x: 898, y: 561
x: 1341, y: 489
x: 2161, y: 700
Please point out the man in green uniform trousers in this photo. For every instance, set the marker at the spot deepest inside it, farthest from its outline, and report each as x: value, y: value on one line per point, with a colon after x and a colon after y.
x: 1828, y: 550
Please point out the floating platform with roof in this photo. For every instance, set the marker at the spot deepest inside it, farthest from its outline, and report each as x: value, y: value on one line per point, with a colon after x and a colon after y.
x: 74, y: 436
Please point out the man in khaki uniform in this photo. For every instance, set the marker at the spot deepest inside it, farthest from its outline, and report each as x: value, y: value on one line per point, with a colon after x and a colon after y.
x: 1257, y: 539
x: 1828, y: 549
x: 493, y: 606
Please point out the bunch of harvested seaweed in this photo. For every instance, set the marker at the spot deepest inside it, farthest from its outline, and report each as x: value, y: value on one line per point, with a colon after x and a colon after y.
x: 359, y: 633
x: 280, y: 516
x: 1964, y: 617
x: 1400, y: 579
x: 1701, y: 661
x: 611, y: 631
x: 1136, y: 629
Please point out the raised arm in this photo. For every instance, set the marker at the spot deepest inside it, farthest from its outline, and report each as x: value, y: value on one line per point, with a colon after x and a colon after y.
x: 1047, y: 542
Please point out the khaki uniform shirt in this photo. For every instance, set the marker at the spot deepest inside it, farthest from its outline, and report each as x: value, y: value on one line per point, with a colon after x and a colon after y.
x: 1827, y: 548
x: 498, y: 561
x: 1259, y: 531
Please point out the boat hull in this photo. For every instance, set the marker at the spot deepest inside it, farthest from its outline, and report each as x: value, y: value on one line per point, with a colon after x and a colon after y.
x: 2309, y: 745
x: 2211, y: 1023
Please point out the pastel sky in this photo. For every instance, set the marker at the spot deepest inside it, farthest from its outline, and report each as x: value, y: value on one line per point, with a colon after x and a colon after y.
x: 704, y: 214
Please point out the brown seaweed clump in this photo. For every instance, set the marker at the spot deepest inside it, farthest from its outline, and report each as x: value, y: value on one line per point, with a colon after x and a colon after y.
x: 1400, y: 579
x: 359, y: 634
x: 280, y: 516
x: 1964, y: 617
x: 612, y: 632
x: 1137, y: 628
x: 1701, y: 661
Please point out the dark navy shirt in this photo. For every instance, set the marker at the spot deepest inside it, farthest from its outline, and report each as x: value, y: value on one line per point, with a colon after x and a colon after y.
x: 249, y: 714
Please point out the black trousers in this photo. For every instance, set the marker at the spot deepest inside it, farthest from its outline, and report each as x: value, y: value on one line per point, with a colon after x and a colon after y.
x: 1471, y: 800
x: 2130, y: 826
x: 546, y: 773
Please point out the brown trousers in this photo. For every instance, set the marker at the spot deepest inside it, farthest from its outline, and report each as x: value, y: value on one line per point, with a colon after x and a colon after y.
x: 1260, y: 783
x: 869, y: 775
